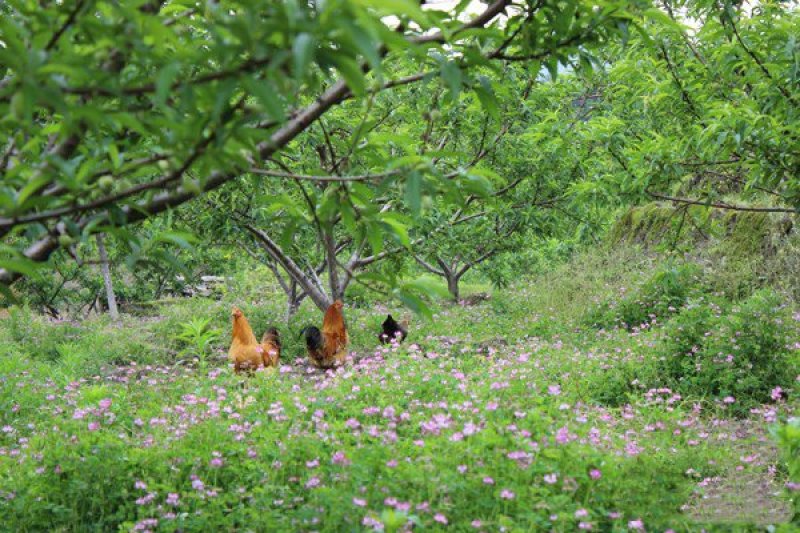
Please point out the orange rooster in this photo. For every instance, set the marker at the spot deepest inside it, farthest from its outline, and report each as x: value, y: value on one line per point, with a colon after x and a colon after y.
x: 328, y: 347
x: 246, y: 353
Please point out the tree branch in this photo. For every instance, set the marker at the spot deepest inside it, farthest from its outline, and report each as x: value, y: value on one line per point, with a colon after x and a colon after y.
x: 305, y: 177
x: 719, y: 205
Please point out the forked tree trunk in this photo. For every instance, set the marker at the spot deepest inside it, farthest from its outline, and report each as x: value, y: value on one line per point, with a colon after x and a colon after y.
x: 106, y: 271
x: 293, y: 300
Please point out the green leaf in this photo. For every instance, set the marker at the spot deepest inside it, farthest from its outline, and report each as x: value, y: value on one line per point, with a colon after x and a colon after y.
x: 164, y: 83
x: 351, y: 72
x: 658, y: 16
x: 375, y: 238
x: 413, y: 196
x: 366, y: 45
x: 451, y: 73
x: 348, y: 217
x: 428, y: 285
x: 303, y: 52
x: 413, y: 302
x: 21, y: 265
x: 398, y: 228
x: 398, y: 8
x: 268, y: 97
x: 180, y: 238
x: 113, y: 155
x: 487, y: 97
x: 477, y: 185
x: 31, y: 187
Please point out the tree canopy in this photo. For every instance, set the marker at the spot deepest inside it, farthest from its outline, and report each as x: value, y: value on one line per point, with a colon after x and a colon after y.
x: 323, y: 137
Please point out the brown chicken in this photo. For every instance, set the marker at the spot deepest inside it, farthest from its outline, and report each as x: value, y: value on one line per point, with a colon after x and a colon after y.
x: 246, y: 353
x: 271, y: 344
x: 328, y: 347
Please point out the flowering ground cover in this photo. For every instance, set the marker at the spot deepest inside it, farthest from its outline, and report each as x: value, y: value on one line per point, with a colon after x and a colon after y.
x: 512, y: 414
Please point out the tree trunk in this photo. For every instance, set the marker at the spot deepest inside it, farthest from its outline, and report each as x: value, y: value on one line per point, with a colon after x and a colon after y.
x: 336, y: 291
x: 293, y: 301
x: 452, y: 285
x: 320, y: 299
x: 106, y: 270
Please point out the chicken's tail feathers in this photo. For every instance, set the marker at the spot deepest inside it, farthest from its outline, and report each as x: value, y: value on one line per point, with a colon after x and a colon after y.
x: 305, y: 330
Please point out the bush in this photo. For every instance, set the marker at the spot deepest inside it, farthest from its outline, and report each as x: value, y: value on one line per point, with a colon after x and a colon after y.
x: 743, y: 353
x: 661, y: 295
x: 788, y: 437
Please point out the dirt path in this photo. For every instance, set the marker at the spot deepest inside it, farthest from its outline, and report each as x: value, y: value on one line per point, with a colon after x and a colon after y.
x: 749, y: 492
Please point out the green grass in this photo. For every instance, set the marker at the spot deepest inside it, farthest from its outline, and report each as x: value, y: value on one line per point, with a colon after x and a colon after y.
x: 510, y: 414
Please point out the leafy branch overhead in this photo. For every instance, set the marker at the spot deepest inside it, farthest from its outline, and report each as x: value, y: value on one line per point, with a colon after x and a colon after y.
x: 117, y: 112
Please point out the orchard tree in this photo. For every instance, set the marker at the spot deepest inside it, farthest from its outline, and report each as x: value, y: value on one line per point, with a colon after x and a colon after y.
x: 332, y: 214
x: 115, y: 112
x: 701, y: 110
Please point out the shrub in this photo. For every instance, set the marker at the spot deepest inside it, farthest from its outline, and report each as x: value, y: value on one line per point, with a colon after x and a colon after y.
x: 743, y: 353
x: 661, y: 295
x: 788, y: 437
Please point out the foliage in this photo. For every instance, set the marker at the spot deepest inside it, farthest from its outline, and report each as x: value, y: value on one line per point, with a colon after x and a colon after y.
x: 697, y: 113
x: 660, y: 296
x: 117, y: 113
x: 472, y: 395
x: 198, y: 336
x: 737, y: 355
x: 787, y: 436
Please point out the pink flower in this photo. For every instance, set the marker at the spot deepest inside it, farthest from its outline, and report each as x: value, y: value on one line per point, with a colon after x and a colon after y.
x: 359, y: 502
x: 554, y: 390
x: 551, y: 479
x: 776, y: 394
x: 476, y: 524
x: 581, y: 513
x: 141, y: 485
x: 507, y: 494
x: 439, y: 517
x: 562, y: 435
x: 105, y: 403
x: 94, y: 426
x: 313, y: 482
x: 636, y: 524
x: 595, y: 473
x: 144, y: 500
x: 488, y: 481
x: 173, y: 499
x: 146, y: 524
x: 728, y: 399
x: 372, y: 522
x: 339, y: 458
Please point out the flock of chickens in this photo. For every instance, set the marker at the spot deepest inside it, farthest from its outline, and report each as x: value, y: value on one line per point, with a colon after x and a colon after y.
x: 326, y: 348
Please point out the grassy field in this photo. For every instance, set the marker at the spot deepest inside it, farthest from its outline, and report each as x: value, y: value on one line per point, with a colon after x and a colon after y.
x: 543, y: 408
